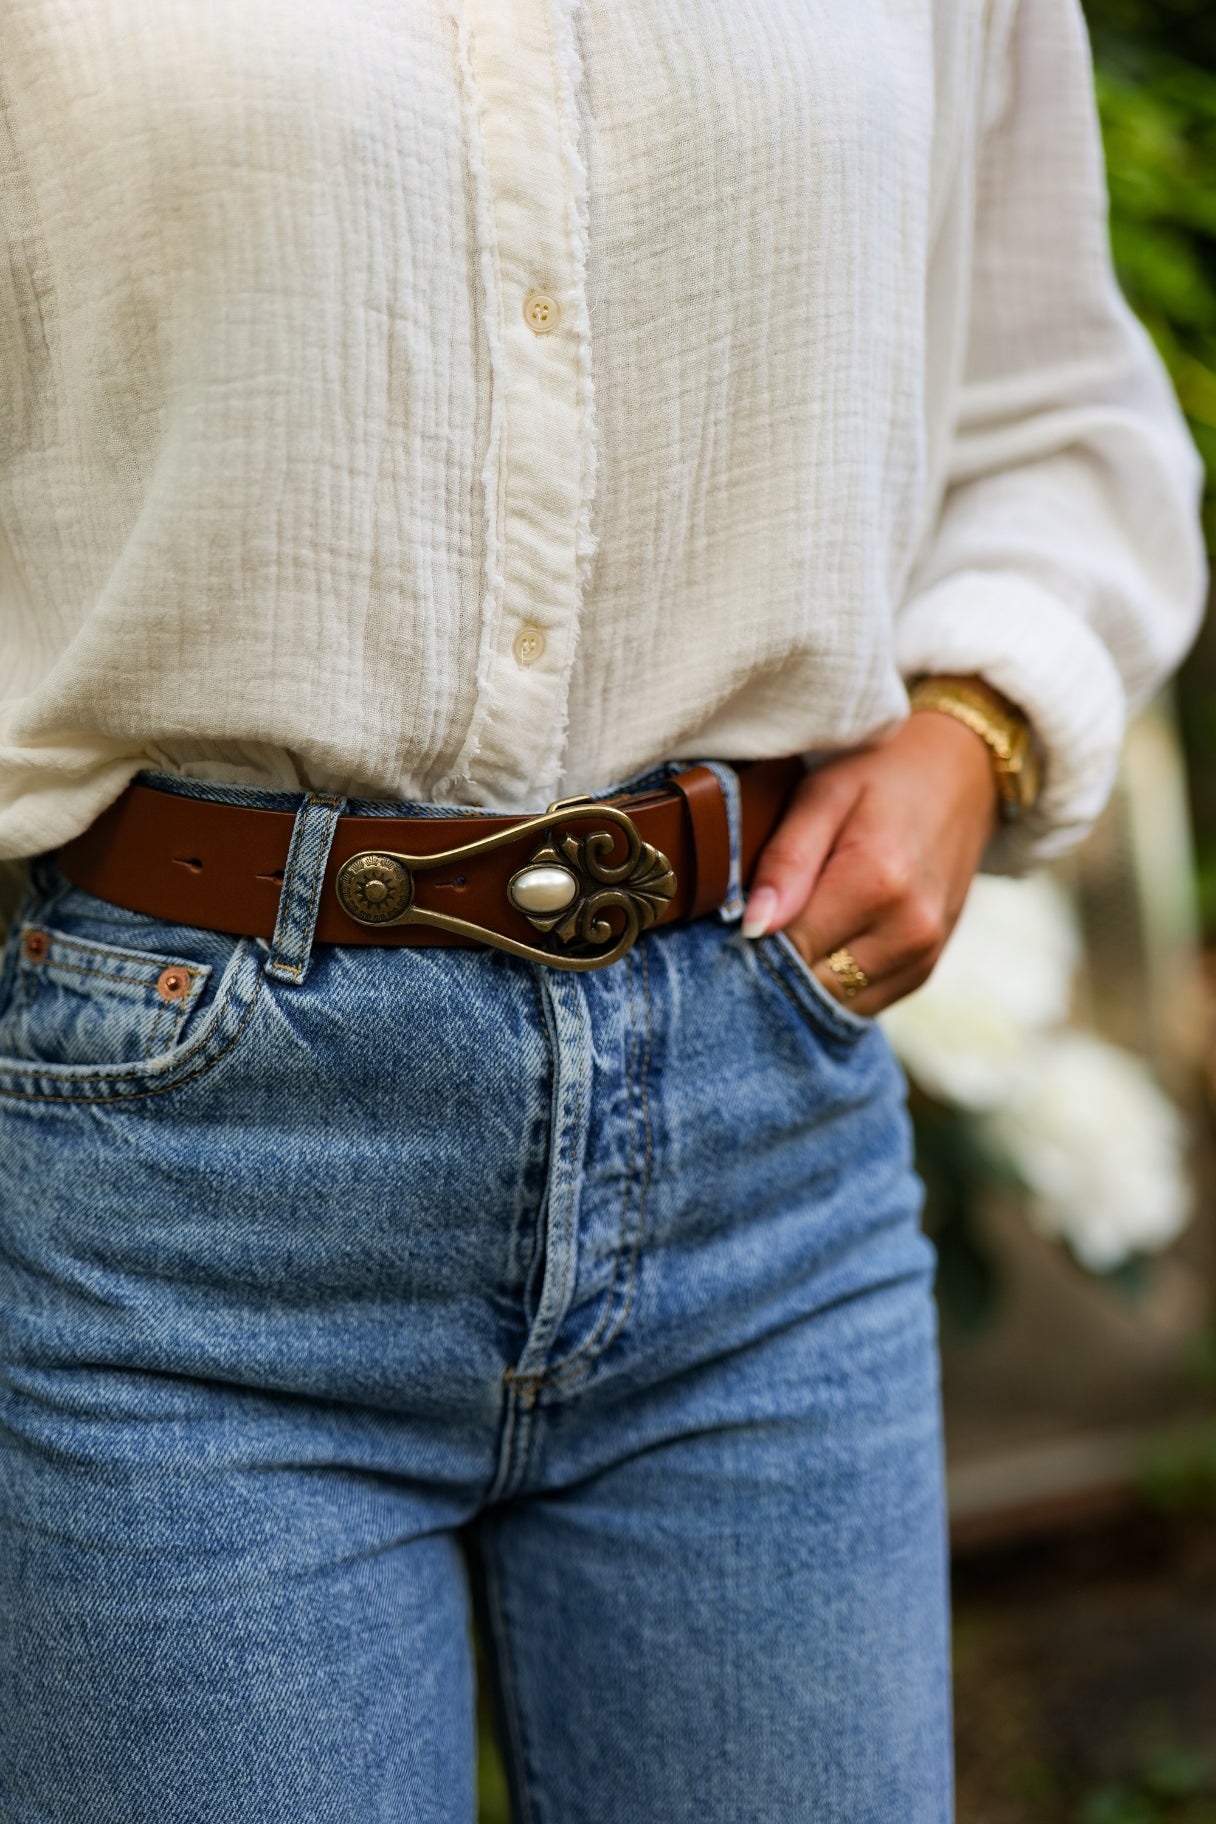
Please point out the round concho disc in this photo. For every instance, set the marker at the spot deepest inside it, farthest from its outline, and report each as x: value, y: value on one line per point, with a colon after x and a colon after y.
x: 373, y: 888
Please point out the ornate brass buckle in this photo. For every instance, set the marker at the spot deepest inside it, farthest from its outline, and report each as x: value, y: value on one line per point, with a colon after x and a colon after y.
x: 565, y: 890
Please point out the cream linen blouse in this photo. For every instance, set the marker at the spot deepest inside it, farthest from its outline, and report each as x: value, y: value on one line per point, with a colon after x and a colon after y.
x: 482, y: 401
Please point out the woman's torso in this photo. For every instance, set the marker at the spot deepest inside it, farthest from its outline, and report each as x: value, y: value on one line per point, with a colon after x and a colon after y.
x: 292, y: 493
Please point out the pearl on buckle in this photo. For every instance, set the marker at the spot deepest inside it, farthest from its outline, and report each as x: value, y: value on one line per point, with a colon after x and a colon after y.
x: 542, y: 889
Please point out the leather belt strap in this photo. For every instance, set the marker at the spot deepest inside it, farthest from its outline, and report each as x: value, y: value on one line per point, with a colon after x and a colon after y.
x: 199, y: 862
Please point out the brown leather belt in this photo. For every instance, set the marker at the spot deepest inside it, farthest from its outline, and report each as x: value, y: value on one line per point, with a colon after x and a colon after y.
x: 572, y: 887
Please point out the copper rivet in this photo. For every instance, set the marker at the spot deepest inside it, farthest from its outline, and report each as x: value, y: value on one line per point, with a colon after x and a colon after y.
x: 35, y: 945
x: 173, y: 984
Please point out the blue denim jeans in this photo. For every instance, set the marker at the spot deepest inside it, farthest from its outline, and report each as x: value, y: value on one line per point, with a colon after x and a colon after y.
x: 358, y: 1291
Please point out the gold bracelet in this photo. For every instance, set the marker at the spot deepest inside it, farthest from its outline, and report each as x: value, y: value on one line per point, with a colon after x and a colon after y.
x: 999, y: 724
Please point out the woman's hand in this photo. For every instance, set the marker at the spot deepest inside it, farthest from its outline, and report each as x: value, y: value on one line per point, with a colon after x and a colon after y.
x: 876, y: 853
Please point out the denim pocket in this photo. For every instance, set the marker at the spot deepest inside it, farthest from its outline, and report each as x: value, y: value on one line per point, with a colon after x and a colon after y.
x: 71, y: 1000
x: 784, y: 963
x: 97, y: 1001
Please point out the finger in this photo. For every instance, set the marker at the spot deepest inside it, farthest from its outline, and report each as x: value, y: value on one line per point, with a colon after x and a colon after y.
x: 865, y: 892
x: 895, y: 948
x: 884, y: 946
x: 792, y: 859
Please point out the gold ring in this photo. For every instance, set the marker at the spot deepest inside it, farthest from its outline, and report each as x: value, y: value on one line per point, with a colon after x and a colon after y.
x: 848, y: 972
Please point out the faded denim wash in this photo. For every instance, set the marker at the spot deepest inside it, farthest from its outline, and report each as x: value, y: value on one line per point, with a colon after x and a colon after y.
x: 364, y: 1288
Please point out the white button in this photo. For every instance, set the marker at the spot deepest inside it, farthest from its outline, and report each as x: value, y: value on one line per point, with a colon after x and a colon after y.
x: 529, y: 645
x: 541, y: 312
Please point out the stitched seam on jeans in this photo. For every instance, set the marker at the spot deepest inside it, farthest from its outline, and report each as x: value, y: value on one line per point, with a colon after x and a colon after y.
x: 510, y: 1702
x: 526, y: 1383
x: 106, y: 975
x: 171, y: 1014
x: 317, y: 877
x: 566, y: 1369
x: 631, y: 1282
x: 537, y: 989
x: 122, y: 1072
x: 157, y: 1016
x: 159, y: 1089
x: 151, y: 1039
x: 509, y: 1464
x: 571, y: 1236
x: 61, y: 940
x: 530, y: 1382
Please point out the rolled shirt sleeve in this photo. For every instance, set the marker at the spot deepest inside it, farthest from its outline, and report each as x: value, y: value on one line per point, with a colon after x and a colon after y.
x: 1066, y: 566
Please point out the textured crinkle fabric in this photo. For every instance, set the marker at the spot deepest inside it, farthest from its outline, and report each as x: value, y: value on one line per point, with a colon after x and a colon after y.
x: 830, y: 383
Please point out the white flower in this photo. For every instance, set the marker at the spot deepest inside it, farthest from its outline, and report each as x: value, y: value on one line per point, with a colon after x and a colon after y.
x: 968, y: 1036
x: 1102, y: 1150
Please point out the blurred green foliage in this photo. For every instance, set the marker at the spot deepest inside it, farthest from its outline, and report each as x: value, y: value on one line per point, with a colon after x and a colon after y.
x: 1156, y: 69
x: 1156, y: 66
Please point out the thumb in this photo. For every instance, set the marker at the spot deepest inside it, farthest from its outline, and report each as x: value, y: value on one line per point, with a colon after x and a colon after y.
x: 791, y: 860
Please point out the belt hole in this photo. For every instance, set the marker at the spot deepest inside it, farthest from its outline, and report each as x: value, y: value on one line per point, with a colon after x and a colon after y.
x: 189, y: 861
x: 276, y: 874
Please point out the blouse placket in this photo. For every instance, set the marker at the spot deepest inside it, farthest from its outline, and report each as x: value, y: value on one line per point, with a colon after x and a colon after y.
x: 521, y: 69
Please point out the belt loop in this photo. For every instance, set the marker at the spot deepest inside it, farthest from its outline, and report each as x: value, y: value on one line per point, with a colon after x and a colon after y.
x: 300, y: 899
x: 724, y: 889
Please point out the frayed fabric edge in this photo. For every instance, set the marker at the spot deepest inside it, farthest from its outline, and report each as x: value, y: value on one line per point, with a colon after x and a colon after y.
x: 492, y: 477
x: 568, y: 82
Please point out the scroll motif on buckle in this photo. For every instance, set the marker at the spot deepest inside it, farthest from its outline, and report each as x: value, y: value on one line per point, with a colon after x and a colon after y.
x: 641, y: 886
x: 568, y: 890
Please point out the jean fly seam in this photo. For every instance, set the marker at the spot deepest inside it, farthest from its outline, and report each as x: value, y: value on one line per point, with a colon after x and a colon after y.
x: 529, y: 1382
x: 538, y: 988
x: 514, y: 1428
x: 544, y: 1154
x: 571, y: 1236
x: 572, y: 1364
x: 104, y: 1094
x: 643, y: 1190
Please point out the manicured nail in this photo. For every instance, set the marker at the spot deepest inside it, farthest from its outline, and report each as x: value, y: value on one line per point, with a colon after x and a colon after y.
x: 759, y: 912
